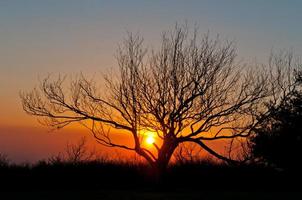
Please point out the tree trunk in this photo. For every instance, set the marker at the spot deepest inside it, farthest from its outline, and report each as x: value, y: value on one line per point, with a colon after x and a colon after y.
x: 164, y: 156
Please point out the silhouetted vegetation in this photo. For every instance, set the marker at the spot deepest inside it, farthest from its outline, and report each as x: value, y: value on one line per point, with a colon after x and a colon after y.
x: 190, y: 90
x: 106, y: 175
x: 62, y: 172
x: 4, y: 161
x: 278, y: 139
x: 191, y: 177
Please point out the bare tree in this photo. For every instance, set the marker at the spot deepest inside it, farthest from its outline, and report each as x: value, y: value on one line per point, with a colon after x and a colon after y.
x: 189, y: 90
x: 76, y: 153
x: 79, y: 152
x: 188, y: 153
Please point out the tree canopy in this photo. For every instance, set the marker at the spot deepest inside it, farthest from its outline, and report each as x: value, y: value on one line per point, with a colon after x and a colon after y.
x: 190, y: 89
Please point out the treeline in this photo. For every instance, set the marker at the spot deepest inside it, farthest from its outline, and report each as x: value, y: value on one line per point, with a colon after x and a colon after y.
x: 102, y: 174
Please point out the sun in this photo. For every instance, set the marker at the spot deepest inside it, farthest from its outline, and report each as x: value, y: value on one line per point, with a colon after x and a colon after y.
x: 150, y: 139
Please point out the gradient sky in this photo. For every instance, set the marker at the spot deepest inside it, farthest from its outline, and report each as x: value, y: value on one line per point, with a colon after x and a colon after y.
x: 70, y: 36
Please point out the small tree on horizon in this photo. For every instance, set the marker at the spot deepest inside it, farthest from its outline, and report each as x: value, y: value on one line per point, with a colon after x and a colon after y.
x: 191, y: 89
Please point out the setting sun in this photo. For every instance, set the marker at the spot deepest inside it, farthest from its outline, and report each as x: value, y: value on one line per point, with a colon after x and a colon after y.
x: 150, y: 139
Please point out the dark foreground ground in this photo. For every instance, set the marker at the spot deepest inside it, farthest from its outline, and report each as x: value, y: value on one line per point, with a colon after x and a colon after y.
x: 125, y: 181
x: 146, y: 195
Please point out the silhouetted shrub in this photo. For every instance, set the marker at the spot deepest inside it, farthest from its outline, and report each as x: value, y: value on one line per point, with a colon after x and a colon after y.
x: 4, y: 161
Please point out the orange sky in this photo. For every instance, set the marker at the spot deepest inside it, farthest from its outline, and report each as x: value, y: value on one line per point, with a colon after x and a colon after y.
x: 32, y: 143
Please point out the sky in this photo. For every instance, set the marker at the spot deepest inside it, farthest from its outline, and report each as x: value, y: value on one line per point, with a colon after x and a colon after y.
x: 38, y: 38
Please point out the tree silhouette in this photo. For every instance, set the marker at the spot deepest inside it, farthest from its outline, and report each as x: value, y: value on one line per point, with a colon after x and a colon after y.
x: 278, y: 139
x: 191, y: 89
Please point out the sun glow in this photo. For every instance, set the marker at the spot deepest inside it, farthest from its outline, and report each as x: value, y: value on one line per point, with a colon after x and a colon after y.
x: 150, y: 139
